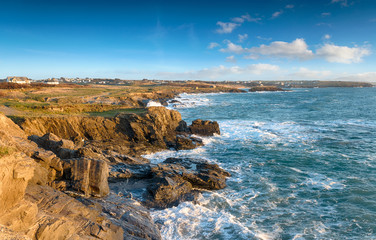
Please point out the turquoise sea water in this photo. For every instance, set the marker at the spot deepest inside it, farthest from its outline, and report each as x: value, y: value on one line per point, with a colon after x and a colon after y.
x: 303, y: 166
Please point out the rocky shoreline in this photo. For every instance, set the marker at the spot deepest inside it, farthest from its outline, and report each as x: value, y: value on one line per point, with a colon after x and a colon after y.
x: 82, y: 177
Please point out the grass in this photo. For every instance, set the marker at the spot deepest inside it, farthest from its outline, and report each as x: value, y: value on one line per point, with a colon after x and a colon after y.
x: 113, y: 113
x: 4, y: 151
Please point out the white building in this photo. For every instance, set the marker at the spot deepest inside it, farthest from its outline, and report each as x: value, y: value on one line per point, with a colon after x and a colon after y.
x: 19, y: 80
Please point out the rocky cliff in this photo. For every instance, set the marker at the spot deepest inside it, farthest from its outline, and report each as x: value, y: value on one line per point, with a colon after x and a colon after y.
x: 54, y: 174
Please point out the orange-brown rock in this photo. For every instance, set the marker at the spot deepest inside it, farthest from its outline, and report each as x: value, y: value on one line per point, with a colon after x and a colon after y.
x: 204, y: 128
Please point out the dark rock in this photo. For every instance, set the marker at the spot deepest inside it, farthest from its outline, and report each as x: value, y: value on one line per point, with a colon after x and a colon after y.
x: 183, y: 127
x: 169, y: 191
x: 184, y: 143
x: 199, y: 173
x: 138, y: 171
x: 265, y: 88
x: 204, y: 128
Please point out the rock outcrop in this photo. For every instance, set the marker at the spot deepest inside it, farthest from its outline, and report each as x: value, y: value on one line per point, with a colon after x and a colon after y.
x: 55, y: 174
x: 204, y: 128
x: 171, y: 182
x: 266, y: 88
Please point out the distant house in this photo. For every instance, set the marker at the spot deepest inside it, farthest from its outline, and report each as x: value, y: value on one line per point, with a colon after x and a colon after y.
x: 52, y: 81
x: 19, y: 80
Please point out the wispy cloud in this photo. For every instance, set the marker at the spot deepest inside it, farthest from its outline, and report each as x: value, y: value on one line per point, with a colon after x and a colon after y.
x: 264, y: 38
x: 245, y: 17
x: 308, y: 74
x: 324, y: 24
x: 242, y: 37
x: 277, y: 14
x: 289, y: 6
x: 221, y: 72
x: 213, y: 45
x: 228, y: 27
x: 342, y: 2
x: 231, y: 59
x: 325, y: 14
x: 342, y: 54
x: 326, y: 37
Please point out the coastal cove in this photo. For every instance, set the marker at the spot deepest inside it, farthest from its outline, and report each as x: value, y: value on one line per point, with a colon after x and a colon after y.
x: 291, y: 164
x: 302, y: 166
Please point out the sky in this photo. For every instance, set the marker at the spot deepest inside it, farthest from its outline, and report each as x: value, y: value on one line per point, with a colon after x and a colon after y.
x: 182, y: 40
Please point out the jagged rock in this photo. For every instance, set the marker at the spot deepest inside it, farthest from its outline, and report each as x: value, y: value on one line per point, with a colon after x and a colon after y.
x: 61, y: 147
x: 64, y: 217
x: 130, y: 215
x: 185, y: 143
x: 204, y: 128
x: 199, y: 173
x: 15, y: 172
x: 89, y: 176
x: 90, y: 152
x: 169, y: 191
x: 138, y: 171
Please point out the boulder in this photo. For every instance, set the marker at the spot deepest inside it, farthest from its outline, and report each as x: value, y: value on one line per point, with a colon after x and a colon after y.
x: 88, y: 176
x: 61, y: 147
x: 186, y: 143
x: 204, y: 128
x: 199, y: 173
x: 167, y: 191
x: 15, y: 172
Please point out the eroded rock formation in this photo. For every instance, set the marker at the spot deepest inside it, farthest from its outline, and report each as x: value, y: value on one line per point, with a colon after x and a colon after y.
x: 55, y: 173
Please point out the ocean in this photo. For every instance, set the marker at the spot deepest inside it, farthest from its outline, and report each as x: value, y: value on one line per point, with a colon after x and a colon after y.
x: 303, y: 166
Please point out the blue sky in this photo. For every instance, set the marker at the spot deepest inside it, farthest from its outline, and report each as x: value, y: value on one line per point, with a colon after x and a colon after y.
x: 207, y: 40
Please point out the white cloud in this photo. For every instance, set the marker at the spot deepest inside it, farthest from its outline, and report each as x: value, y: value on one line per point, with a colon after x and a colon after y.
x: 245, y: 17
x: 231, y: 59
x: 233, y: 48
x: 264, y: 38
x: 325, y: 14
x: 342, y: 54
x: 221, y: 72
x: 289, y: 6
x: 226, y: 27
x: 277, y: 14
x: 213, y: 45
x: 342, y: 2
x: 296, y: 49
x: 307, y: 74
x: 242, y: 37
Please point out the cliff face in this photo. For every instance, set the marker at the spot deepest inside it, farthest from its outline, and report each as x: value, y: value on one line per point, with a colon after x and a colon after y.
x: 54, y: 174
x: 29, y: 207
x: 155, y: 130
